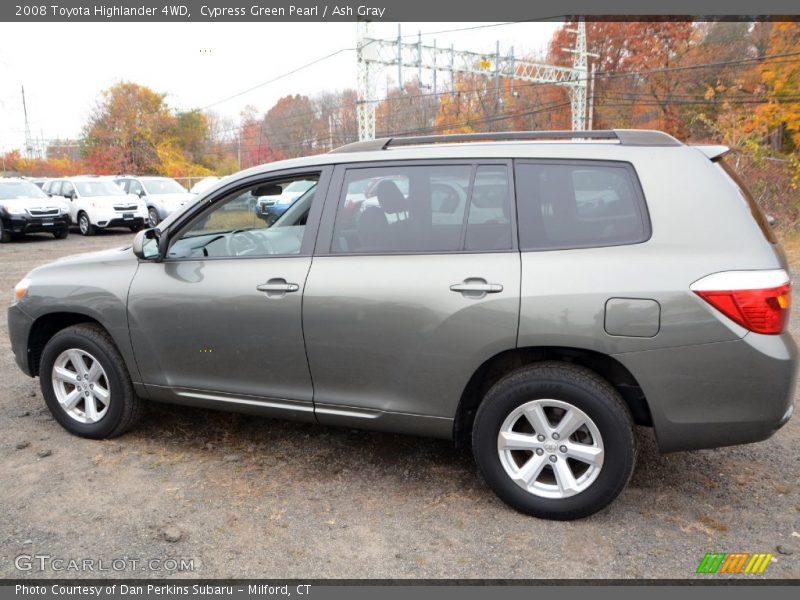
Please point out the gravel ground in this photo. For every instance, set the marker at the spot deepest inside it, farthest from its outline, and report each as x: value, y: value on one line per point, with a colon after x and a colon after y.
x: 250, y: 497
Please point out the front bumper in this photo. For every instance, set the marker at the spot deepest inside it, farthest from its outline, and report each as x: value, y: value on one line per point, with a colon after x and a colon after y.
x: 119, y: 221
x: 19, y: 328
x: 718, y: 394
x: 271, y: 213
x: 27, y: 224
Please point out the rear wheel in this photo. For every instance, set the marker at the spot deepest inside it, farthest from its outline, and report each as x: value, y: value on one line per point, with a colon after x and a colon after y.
x: 85, y: 383
x: 554, y: 440
x: 85, y: 225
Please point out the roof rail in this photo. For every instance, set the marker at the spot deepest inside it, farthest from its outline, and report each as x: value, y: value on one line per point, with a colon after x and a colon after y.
x: 627, y: 137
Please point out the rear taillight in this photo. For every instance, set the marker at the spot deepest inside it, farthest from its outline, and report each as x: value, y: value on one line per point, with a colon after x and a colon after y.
x: 756, y: 300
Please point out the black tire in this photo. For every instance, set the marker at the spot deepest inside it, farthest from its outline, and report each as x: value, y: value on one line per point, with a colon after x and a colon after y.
x: 135, y: 228
x: 5, y: 236
x: 123, y: 406
x: 85, y: 224
x: 61, y: 233
x: 581, y: 388
x: 152, y: 217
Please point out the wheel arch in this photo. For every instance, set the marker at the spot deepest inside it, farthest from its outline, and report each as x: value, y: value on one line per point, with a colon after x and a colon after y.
x: 502, y: 363
x: 46, y: 326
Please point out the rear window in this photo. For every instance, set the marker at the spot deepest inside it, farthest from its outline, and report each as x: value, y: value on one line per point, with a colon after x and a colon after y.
x: 578, y: 204
x: 755, y: 209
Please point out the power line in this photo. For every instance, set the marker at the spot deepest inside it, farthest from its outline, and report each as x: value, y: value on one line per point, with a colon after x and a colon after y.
x: 279, y: 77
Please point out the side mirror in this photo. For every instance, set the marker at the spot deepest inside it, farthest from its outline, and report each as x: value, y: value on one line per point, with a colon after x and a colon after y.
x: 70, y: 195
x: 145, y: 245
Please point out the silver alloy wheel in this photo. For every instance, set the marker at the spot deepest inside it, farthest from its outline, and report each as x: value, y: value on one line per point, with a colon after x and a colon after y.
x: 81, y: 385
x: 83, y: 223
x: 152, y: 217
x: 550, y: 448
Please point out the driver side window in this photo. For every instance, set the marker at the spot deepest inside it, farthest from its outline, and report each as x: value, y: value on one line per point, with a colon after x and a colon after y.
x: 265, y: 219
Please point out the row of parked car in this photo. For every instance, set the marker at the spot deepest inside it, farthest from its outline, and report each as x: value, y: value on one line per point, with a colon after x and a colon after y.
x: 88, y: 202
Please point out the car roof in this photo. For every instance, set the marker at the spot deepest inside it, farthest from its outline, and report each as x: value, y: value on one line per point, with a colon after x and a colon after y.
x: 621, y: 145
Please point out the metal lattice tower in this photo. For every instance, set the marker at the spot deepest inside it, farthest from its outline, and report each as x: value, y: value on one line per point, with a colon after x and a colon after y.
x: 31, y: 150
x: 374, y: 54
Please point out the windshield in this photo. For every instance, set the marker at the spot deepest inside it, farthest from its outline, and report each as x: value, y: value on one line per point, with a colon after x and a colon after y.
x: 98, y: 188
x: 162, y: 185
x: 10, y: 190
x: 299, y: 185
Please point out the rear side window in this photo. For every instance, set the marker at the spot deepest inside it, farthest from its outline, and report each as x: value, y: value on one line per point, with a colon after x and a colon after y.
x: 755, y: 209
x: 412, y: 209
x: 579, y: 205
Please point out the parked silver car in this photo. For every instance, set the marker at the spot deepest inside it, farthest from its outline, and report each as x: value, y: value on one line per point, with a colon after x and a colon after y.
x: 534, y: 295
x: 162, y: 195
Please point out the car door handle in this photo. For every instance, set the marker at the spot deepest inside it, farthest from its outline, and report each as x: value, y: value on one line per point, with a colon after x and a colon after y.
x: 476, y: 287
x: 277, y: 287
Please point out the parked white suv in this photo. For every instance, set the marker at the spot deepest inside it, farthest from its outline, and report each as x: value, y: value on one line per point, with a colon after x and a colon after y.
x: 162, y: 195
x: 98, y: 203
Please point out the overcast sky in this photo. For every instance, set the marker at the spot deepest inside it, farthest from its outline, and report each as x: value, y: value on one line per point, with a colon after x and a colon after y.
x: 64, y: 66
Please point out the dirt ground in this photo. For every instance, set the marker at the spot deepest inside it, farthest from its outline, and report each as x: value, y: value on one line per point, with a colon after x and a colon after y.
x: 242, y: 496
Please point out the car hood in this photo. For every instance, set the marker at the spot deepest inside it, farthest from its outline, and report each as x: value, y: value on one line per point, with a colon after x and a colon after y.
x: 174, y: 199
x: 35, y: 202
x: 115, y: 255
x: 115, y: 199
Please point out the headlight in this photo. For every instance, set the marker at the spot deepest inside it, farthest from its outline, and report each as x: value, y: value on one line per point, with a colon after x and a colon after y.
x: 13, y: 209
x: 64, y: 210
x: 21, y: 289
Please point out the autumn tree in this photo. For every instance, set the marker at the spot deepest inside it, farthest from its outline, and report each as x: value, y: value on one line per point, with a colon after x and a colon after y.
x: 254, y: 146
x: 291, y: 125
x: 411, y: 110
x: 127, y: 129
x: 336, y: 117
x: 780, y: 114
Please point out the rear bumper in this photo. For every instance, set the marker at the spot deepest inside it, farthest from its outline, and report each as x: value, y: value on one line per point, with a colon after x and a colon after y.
x: 19, y: 328
x: 719, y: 394
x: 28, y: 224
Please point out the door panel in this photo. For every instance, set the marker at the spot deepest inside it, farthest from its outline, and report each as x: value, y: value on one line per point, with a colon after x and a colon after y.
x: 204, y: 325
x: 219, y: 321
x: 387, y: 333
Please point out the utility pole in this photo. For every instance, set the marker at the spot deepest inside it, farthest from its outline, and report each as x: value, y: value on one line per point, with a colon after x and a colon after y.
x: 578, y: 91
x: 365, y: 52
x: 30, y: 147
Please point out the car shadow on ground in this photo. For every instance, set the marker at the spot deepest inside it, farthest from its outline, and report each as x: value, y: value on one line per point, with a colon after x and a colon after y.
x: 316, y: 451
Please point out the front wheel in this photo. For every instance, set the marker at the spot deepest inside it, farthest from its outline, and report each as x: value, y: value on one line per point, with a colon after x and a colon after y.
x: 554, y: 440
x: 85, y: 383
x: 85, y: 225
x: 152, y: 217
x: 61, y: 233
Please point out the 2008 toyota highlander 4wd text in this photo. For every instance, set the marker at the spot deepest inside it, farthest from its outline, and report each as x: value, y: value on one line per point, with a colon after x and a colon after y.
x: 532, y: 294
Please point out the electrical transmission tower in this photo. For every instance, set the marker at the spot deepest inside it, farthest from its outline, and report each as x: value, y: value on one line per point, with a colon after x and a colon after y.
x: 31, y: 148
x: 374, y: 54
